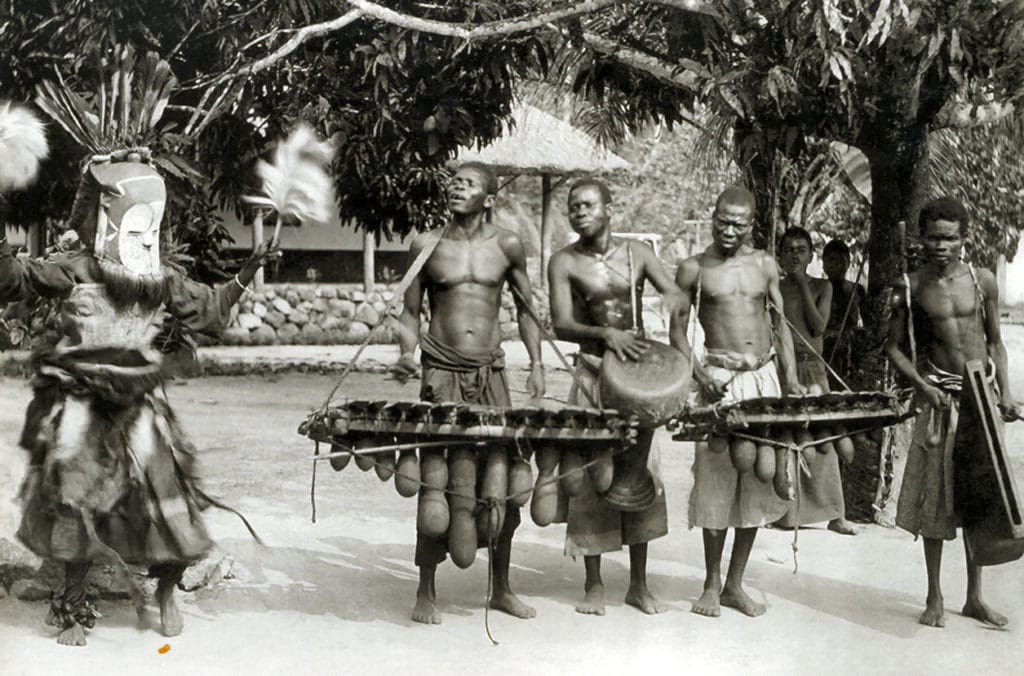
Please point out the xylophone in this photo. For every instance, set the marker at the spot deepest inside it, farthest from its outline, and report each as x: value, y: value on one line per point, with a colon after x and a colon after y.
x: 768, y: 435
x: 458, y: 458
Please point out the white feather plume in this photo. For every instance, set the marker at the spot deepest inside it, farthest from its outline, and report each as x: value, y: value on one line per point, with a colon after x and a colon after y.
x: 22, y: 146
x: 297, y: 183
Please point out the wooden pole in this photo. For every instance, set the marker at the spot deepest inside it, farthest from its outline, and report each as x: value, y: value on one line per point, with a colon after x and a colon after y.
x: 369, y: 246
x: 257, y: 239
x: 545, y: 228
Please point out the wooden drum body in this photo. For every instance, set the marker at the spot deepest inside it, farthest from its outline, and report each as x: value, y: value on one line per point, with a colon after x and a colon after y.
x: 654, y: 388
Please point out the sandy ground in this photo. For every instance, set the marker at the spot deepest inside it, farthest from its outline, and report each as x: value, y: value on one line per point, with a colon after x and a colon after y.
x: 335, y: 595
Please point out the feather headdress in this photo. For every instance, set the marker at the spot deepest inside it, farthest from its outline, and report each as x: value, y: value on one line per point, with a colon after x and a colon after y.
x: 22, y: 146
x: 130, y: 99
x: 297, y: 183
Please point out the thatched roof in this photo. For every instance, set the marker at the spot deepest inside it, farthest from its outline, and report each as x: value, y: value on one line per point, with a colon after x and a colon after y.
x: 540, y: 143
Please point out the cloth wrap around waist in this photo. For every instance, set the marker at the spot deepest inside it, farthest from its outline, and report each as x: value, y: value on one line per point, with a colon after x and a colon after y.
x: 451, y: 375
x: 926, y: 504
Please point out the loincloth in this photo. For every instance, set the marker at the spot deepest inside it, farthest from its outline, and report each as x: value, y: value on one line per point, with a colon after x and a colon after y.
x: 450, y: 375
x: 925, y: 505
x: 723, y: 497
x: 594, y: 526
x: 107, y: 452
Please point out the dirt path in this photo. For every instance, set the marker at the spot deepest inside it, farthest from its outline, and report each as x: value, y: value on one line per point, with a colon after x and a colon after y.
x: 335, y: 596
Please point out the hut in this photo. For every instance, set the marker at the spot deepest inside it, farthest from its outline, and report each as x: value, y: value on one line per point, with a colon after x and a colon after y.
x: 540, y: 144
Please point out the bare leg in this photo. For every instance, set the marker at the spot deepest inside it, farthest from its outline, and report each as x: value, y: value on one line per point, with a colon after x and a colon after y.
x: 934, y: 614
x: 593, y: 587
x: 75, y: 574
x: 714, y: 545
x: 733, y: 594
x: 502, y: 597
x: 639, y: 595
x: 975, y: 607
x: 842, y: 526
x: 425, y: 610
x: 171, y: 622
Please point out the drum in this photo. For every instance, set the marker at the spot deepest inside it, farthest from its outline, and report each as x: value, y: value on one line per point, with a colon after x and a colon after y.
x: 985, y: 494
x: 654, y: 388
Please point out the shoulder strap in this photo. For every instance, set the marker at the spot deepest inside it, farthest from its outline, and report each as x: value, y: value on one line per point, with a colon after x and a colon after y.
x: 979, y: 294
x: 910, y: 319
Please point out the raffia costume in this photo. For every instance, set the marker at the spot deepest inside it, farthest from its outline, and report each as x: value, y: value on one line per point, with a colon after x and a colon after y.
x: 111, y: 474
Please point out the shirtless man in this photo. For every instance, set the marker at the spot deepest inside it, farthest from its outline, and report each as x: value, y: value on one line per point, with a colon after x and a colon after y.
x: 955, y: 310
x: 461, y: 351
x: 736, y: 290
x: 807, y: 303
x: 590, y: 288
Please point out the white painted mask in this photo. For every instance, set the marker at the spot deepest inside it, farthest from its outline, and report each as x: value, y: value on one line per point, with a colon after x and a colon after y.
x: 132, y: 196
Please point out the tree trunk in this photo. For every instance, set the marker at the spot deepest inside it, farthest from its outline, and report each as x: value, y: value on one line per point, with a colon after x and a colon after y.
x: 898, y: 157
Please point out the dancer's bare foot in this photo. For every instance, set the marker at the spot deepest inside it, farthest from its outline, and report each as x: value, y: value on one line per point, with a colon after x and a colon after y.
x: 841, y: 526
x: 934, y: 615
x: 425, y: 610
x: 171, y: 622
x: 641, y: 597
x: 593, y: 601
x: 738, y: 599
x: 708, y: 604
x: 73, y: 635
x: 508, y: 602
x: 979, y: 611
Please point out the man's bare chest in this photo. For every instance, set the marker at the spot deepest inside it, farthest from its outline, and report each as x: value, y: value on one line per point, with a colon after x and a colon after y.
x: 951, y: 299
x: 600, y: 279
x: 723, y: 282
x: 460, y: 262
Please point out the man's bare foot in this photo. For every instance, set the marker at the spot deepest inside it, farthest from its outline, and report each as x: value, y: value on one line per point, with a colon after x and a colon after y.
x: 707, y: 604
x: 934, y: 615
x: 738, y: 599
x: 979, y: 611
x: 841, y: 526
x: 510, y: 603
x: 171, y: 622
x: 593, y: 601
x: 73, y: 635
x: 426, y: 610
x: 641, y: 597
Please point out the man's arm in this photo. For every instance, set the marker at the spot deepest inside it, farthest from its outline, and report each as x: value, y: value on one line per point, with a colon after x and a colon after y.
x: 994, y: 341
x: 408, y: 324
x: 686, y: 284
x: 24, y: 279
x: 817, y: 303
x: 893, y: 340
x: 784, y: 343
x: 519, y: 281
x: 654, y: 271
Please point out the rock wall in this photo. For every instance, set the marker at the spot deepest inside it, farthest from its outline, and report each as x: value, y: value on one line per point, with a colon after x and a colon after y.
x: 336, y: 314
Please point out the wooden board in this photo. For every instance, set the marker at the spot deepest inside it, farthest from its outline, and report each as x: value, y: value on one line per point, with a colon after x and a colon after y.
x: 986, y: 498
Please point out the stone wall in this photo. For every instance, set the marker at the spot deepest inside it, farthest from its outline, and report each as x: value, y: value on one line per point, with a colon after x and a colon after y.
x: 328, y: 314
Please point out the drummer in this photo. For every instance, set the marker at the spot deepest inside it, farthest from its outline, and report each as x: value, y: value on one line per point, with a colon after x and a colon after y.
x: 591, y: 282
x: 955, y: 310
x: 736, y: 291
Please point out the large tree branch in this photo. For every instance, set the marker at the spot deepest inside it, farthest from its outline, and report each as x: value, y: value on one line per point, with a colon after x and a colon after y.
x: 510, y: 26
x: 638, y: 60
